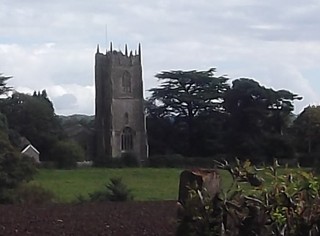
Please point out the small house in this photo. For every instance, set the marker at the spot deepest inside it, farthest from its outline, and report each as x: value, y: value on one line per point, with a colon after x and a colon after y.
x: 31, y: 152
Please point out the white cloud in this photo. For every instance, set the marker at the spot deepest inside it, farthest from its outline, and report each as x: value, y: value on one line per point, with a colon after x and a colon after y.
x: 51, y: 44
x: 72, y: 99
x: 65, y: 102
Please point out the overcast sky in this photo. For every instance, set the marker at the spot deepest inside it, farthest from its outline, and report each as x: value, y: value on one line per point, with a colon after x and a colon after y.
x: 51, y: 44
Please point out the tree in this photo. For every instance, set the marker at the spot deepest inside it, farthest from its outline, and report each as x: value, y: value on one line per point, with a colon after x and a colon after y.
x: 254, y: 107
x: 14, y: 169
x: 66, y: 154
x: 306, y: 129
x: 183, y: 96
x: 256, y: 114
x: 33, y: 117
x: 4, y: 89
x: 189, y: 93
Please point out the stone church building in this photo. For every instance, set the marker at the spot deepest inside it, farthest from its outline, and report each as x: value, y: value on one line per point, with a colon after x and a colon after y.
x: 119, y: 111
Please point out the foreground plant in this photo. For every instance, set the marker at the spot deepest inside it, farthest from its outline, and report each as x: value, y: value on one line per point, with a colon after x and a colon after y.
x: 288, y: 206
x: 14, y: 171
x: 116, y: 190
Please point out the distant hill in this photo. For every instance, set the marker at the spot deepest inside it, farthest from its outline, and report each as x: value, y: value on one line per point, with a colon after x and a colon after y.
x: 76, y: 118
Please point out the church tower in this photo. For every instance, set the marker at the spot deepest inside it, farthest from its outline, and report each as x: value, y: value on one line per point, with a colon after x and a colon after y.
x: 119, y: 113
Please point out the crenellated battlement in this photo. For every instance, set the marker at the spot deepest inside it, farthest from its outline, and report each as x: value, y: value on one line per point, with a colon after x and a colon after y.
x: 119, y: 58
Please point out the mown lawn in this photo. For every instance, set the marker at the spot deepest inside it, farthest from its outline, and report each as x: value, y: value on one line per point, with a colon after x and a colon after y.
x: 146, y: 183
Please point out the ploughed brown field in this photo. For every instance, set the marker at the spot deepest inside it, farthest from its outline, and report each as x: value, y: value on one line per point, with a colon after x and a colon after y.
x: 109, y: 218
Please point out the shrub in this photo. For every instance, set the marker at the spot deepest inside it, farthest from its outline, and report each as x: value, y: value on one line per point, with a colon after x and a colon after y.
x: 200, y: 214
x: 33, y: 194
x: 66, y: 154
x: 80, y: 199
x: 308, y: 159
x: 130, y: 159
x: 116, y: 190
x: 115, y: 162
x: 157, y: 161
x: 288, y: 206
x: 48, y: 165
x: 14, y: 170
x: 203, y: 162
x: 127, y: 159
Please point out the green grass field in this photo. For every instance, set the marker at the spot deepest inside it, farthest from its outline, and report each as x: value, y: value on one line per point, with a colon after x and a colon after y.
x: 146, y: 183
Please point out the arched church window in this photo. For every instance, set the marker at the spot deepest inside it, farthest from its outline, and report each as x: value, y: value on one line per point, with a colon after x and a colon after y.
x: 126, y: 118
x: 126, y: 82
x: 127, y: 139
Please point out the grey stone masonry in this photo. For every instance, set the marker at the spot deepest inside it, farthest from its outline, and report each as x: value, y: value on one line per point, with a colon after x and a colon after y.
x: 119, y: 111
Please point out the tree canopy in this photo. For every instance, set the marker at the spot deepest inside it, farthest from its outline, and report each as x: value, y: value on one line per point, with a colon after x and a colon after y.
x: 183, y: 97
x: 306, y: 129
x: 200, y: 114
x: 189, y: 93
x: 257, y: 119
x: 4, y: 89
x: 32, y: 117
x: 253, y: 107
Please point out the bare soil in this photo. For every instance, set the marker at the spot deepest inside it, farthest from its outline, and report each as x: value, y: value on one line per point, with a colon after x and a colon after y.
x: 110, y: 218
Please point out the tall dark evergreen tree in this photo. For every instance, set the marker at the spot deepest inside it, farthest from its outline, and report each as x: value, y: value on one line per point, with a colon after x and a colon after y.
x: 306, y: 130
x: 189, y: 93
x: 257, y: 115
x: 185, y: 96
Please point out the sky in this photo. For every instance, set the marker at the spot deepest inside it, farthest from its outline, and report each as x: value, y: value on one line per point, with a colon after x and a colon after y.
x: 51, y: 44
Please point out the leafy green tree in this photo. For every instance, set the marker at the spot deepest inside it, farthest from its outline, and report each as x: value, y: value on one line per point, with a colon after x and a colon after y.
x: 183, y: 96
x: 66, y: 154
x: 14, y: 169
x: 253, y: 107
x: 161, y: 136
x: 306, y: 129
x: 256, y: 114
x: 33, y: 117
x: 210, y: 131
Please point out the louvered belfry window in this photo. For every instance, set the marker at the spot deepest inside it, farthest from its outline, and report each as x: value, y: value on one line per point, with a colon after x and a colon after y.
x: 127, y: 139
x: 126, y: 82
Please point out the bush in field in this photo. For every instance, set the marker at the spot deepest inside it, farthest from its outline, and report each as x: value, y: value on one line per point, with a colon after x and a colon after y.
x: 130, y: 159
x: 127, y: 159
x: 112, y: 163
x: 115, y: 191
x: 288, y: 206
x: 14, y: 170
x: 66, y: 154
x: 33, y: 194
